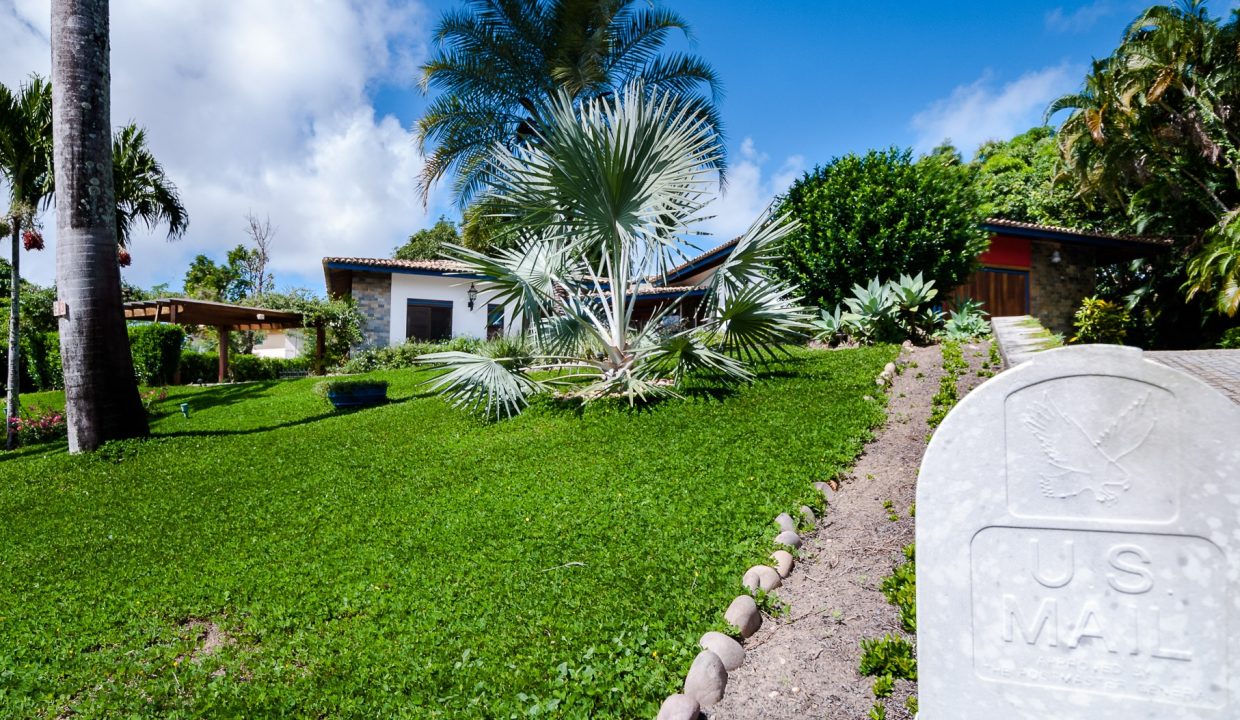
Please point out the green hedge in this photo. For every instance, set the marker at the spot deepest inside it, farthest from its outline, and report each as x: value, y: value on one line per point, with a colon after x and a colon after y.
x: 41, y: 357
x: 156, y: 349
x: 252, y: 367
x: 199, y: 367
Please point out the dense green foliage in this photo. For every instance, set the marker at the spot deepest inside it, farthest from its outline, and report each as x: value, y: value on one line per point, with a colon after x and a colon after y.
x: 405, y: 560
x: 340, y: 319
x: 244, y: 368
x: 1152, y: 134
x: 429, y: 243
x: 900, y: 589
x: 881, y: 214
x: 1016, y: 180
x: 199, y: 367
x: 156, y: 349
x: 1100, y: 321
x: 405, y: 355
x: 1230, y: 339
x: 892, y: 311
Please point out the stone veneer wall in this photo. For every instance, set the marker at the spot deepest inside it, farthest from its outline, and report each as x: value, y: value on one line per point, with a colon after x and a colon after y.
x: 1056, y: 289
x: 373, y: 293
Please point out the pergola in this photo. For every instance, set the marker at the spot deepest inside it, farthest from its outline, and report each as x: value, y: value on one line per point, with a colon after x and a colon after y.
x: 224, y: 317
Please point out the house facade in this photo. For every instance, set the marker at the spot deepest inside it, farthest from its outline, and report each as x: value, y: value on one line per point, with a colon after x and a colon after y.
x: 1045, y: 271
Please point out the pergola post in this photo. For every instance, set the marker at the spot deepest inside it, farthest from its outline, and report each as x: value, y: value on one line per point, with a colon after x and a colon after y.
x: 320, y: 347
x: 223, y: 352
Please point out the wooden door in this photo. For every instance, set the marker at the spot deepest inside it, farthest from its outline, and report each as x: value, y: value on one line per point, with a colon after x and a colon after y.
x: 1002, y: 292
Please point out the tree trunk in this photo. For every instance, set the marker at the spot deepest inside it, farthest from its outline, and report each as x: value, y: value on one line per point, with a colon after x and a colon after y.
x: 12, y: 400
x: 101, y: 394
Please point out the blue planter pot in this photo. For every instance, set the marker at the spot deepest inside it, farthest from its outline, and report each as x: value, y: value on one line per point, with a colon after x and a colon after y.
x: 358, y: 396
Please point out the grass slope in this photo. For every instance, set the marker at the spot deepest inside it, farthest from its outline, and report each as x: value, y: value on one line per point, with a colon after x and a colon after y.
x: 398, y: 561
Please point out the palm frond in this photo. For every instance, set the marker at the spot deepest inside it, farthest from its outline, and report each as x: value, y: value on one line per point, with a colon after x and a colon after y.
x: 478, y: 383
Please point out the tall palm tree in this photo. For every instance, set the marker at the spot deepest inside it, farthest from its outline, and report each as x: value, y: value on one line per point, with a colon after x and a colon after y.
x: 501, y: 61
x: 26, y: 165
x: 101, y: 393
x: 143, y: 190
x: 599, y: 204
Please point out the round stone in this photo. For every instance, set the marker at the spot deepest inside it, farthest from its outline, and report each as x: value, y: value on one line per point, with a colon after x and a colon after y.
x: 783, y: 562
x: 761, y: 577
x: 743, y: 614
x: 788, y: 538
x: 707, y: 679
x: 728, y: 650
x: 827, y: 493
x: 679, y: 707
x: 808, y: 513
x: 785, y: 523
x: 889, y: 368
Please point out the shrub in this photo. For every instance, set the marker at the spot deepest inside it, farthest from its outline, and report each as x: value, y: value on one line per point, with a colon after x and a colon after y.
x: 893, y: 311
x: 966, y: 322
x: 199, y: 367
x: 900, y: 589
x: 41, y: 360
x: 1100, y: 321
x: 399, y: 357
x: 880, y: 214
x: 156, y: 349
x: 36, y: 425
x: 890, y: 656
x: 1230, y: 339
x: 243, y: 368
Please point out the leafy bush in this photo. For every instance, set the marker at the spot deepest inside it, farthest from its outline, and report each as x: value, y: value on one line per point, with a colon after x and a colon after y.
x: 156, y: 349
x: 1230, y: 339
x: 880, y: 214
x: 399, y: 357
x: 243, y: 368
x: 1100, y: 321
x: 199, y: 367
x: 41, y: 360
x: 966, y: 322
x: 888, y: 656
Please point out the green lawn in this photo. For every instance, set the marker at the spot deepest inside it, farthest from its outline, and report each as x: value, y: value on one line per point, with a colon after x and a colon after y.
x: 401, y: 561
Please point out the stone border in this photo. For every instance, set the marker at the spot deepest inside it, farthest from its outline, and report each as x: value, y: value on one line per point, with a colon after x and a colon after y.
x: 707, y: 679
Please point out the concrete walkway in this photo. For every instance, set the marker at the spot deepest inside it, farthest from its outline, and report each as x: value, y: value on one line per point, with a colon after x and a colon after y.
x: 1020, y: 337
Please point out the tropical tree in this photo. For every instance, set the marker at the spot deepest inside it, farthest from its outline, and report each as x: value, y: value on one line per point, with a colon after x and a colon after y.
x: 143, y: 191
x: 26, y: 166
x: 1155, y: 132
x: 429, y: 243
x: 101, y: 394
x: 599, y: 204
x: 499, y: 63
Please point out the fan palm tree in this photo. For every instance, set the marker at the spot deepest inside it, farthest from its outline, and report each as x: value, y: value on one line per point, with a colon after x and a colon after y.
x: 101, y: 394
x: 501, y: 61
x: 26, y: 166
x: 600, y: 202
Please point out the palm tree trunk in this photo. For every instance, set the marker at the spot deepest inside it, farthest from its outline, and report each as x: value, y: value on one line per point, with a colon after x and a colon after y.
x: 101, y: 394
x: 11, y: 399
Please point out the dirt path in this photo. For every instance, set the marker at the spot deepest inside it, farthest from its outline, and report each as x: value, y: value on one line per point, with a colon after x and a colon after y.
x: 804, y: 665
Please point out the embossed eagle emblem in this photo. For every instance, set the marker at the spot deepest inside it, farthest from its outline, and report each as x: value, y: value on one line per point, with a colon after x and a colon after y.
x: 1083, y: 462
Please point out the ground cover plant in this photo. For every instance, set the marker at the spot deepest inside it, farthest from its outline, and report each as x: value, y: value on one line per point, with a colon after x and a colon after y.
x: 269, y: 557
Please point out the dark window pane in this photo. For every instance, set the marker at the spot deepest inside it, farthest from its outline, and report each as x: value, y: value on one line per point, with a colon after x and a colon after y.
x: 428, y: 321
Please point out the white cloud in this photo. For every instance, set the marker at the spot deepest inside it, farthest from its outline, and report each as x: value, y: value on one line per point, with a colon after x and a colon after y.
x: 980, y: 111
x: 1080, y: 19
x: 750, y: 188
x: 259, y: 106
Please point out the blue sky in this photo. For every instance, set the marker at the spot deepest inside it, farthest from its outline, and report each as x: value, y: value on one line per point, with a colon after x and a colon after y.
x: 304, y: 111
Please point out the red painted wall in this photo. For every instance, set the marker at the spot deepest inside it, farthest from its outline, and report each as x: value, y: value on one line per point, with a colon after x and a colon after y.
x: 1007, y: 252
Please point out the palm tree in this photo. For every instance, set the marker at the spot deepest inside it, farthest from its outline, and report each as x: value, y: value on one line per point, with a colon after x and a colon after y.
x: 143, y: 190
x: 26, y: 165
x: 501, y: 61
x: 599, y: 203
x: 101, y: 394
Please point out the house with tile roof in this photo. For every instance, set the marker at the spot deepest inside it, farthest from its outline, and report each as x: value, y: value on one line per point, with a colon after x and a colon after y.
x: 1028, y: 269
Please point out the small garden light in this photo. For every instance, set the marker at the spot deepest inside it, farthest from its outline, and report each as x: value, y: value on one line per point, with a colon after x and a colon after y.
x: 185, y: 410
x: 473, y: 295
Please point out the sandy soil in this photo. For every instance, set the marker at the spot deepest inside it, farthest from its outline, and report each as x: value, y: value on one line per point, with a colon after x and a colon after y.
x: 804, y: 664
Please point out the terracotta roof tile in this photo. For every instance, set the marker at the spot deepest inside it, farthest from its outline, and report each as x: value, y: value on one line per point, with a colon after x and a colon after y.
x: 1014, y: 224
x: 449, y: 266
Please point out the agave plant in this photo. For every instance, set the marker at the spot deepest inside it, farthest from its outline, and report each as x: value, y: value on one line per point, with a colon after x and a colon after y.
x: 600, y: 206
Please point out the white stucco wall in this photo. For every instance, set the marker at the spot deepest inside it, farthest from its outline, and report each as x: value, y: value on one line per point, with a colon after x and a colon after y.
x: 465, y: 323
x: 285, y: 345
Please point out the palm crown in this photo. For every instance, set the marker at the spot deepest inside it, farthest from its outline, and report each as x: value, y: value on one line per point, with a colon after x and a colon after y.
x: 501, y: 61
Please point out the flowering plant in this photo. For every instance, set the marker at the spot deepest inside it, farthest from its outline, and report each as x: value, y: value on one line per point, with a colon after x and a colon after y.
x: 150, y: 397
x: 39, y: 425
x: 32, y: 240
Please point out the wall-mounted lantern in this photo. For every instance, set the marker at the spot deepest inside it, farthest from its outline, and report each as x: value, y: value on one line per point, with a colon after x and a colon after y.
x: 473, y: 295
x: 1056, y: 258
